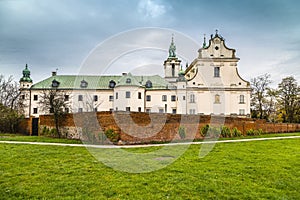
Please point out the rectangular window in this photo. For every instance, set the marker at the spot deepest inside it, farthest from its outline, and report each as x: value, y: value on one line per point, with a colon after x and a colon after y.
x: 117, y: 95
x: 66, y: 97
x: 148, y: 98
x: 173, y: 98
x: 128, y: 109
x: 95, y: 98
x: 192, y: 111
x: 35, y: 97
x: 23, y: 96
x: 80, y: 110
x: 139, y: 95
x: 139, y: 109
x: 111, y: 98
x: 164, y: 97
x: 127, y: 95
x: 174, y: 110
x: 242, y: 99
x: 80, y: 97
x: 217, y: 72
x: 242, y: 111
x: 183, y: 98
x: 161, y: 110
x: 35, y: 110
x: 192, y: 98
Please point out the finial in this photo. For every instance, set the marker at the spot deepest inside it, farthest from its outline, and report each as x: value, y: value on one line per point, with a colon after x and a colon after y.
x: 172, y: 48
x: 26, y: 66
x: 204, y: 42
x: 216, y: 32
x: 186, y: 65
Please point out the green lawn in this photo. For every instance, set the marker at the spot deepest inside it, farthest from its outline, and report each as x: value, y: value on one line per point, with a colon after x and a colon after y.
x: 248, y: 170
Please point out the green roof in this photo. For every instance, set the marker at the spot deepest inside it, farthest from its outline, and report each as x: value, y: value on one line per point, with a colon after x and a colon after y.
x: 73, y: 82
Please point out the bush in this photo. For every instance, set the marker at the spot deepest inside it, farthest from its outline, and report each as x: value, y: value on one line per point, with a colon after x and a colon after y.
x: 204, y: 130
x: 225, y: 132
x: 112, y: 136
x: 214, y: 132
x: 236, y: 132
x: 181, y: 132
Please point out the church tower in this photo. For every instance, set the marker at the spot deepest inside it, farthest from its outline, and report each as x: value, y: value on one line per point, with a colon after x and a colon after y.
x: 172, y: 64
x: 25, y: 81
x: 25, y: 85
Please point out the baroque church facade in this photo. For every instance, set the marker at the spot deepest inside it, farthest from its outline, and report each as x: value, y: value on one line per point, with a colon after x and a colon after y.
x: 210, y: 85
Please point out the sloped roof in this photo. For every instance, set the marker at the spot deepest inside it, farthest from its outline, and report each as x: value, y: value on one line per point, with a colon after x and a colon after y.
x: 73, y: 82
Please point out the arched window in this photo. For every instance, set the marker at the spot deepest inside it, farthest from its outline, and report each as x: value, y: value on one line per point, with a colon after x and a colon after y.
x: 55, y: 83
x: 242, y: 99
x: 83, y: 84
x: 173, y: 70
x: 128, y: 80
x: 148, y: 84
x: 112, y: 84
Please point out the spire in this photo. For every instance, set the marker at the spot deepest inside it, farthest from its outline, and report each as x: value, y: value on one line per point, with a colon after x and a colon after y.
x: 26, y: 75
x: 204, y: 42
x: 172, y: 48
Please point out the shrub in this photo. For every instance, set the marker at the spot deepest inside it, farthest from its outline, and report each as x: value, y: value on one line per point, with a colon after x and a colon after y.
x: 181, y: 132
x: 225, y: 131
x: 236, y: 132
x: 112, y: 135
x: 250, y: 132
x: 204, y: 130
x: 214, y: 132
x: 260, y: 132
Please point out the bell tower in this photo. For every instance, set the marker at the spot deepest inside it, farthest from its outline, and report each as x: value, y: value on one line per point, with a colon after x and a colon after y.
x: 25, y: 81
x: 172, y: 64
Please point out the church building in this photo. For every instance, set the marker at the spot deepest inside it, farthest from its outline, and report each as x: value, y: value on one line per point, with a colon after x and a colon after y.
x: 210, y: 85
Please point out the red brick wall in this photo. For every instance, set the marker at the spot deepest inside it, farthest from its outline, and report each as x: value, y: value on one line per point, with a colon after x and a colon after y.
x: 144, y: 127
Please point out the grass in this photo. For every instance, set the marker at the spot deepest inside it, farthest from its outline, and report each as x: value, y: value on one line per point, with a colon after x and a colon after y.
x: 248, y: 170
x: 24, y: 138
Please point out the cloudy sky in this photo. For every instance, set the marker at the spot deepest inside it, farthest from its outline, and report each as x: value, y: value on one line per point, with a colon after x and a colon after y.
x: 61, y: 34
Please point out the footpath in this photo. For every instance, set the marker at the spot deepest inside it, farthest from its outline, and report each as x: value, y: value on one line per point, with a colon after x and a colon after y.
x: 208, y: 141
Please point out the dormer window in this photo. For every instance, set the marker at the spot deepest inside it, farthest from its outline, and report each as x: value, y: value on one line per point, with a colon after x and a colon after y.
x: 128, y: 80
x: 112, y: 84
x: 55, y: 83
x: 148, y: 84
x: 83, y: 84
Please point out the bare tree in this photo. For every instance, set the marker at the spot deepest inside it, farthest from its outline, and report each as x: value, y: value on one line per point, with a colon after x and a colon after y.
x: 9, y: 92
x: 289, y: 92
x: 259, y: 86
x: 55, y: 102
x: 10, y: 105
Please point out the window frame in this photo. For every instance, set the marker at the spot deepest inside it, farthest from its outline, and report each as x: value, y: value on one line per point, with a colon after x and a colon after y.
x: 217, y: 71
x: 127, y: 94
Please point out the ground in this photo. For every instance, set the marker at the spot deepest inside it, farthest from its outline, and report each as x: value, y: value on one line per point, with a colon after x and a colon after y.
x: 246, y: 170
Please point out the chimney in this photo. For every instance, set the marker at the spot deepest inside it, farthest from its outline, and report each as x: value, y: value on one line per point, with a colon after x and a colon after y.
x: 53, y: 73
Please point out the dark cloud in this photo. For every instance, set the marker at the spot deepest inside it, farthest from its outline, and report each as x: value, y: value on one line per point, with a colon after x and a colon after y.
x: 52, y: 34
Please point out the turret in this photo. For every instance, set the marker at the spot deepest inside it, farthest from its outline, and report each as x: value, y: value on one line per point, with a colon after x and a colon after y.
x: 25, y: 81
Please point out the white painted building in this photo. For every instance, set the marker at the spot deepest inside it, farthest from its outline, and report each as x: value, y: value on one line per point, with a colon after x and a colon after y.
x: 209, y: 85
